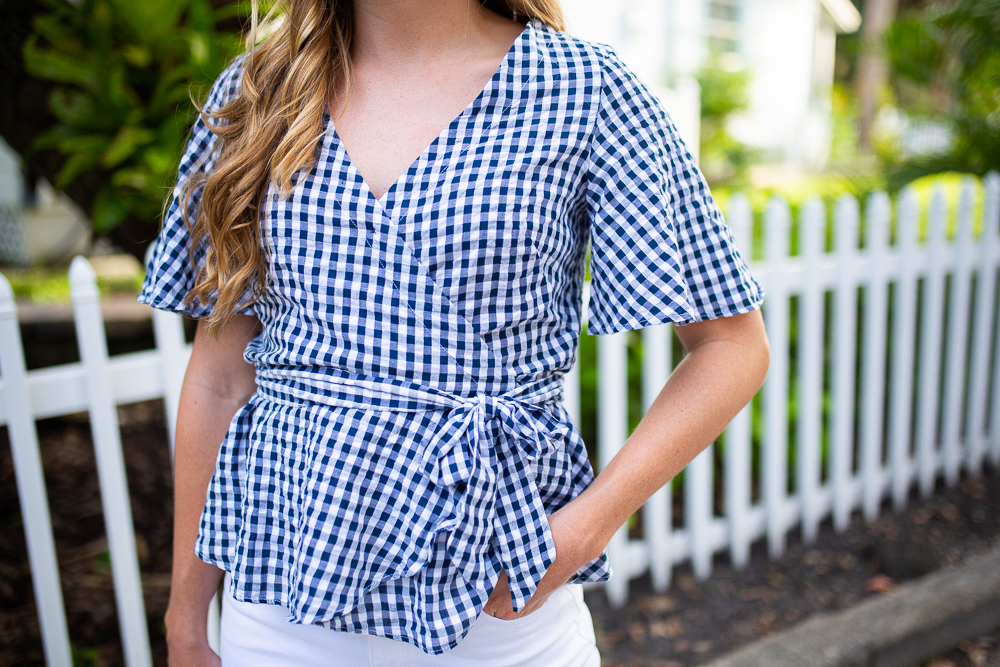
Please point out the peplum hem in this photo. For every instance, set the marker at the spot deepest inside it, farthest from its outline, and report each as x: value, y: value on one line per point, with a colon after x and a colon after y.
x: 408, y: 519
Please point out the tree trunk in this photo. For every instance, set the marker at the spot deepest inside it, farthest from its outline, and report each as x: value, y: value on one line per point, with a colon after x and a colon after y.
x: 873, y: 68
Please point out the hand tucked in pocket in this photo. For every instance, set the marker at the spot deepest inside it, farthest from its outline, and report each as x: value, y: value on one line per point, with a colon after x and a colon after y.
x: 576, y: 545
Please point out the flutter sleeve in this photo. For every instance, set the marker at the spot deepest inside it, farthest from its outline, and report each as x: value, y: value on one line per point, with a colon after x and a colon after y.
x: 170, y: 273
x: 660, y: 250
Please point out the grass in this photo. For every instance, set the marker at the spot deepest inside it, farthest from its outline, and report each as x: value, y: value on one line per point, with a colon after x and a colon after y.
x: 50, y: 286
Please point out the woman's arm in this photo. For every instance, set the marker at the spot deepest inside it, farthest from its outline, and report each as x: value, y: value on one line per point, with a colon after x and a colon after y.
x: 725, y: 365
x: 217, y: 383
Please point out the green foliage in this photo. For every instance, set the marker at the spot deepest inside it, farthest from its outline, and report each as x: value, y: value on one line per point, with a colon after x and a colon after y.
x: 844, y: 125
x: 723, y: 92
x: 946, y: 62
x: 121, y: 105
x: 85, y: 657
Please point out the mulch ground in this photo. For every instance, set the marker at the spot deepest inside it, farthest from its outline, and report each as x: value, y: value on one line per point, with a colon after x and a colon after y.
x: 980, y: 652
x: 697, y: 621
x: 690, y: 624
x: 78, y: 524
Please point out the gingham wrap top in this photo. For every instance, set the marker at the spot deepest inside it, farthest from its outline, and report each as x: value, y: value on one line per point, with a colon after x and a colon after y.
x: 407, y: 439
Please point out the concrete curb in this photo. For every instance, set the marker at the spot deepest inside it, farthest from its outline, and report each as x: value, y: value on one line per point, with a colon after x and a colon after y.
x: 911, y: 623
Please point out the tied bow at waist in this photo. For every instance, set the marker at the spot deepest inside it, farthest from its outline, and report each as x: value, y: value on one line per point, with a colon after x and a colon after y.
x: 482, y: 455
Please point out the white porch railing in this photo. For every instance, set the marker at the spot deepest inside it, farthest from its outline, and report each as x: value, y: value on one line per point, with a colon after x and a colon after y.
x: 960, y: 272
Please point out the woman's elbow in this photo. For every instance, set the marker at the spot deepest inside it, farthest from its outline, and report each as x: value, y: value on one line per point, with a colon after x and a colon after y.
x: 759, y: 352
x: 762, y: 357
x: 217, y: 366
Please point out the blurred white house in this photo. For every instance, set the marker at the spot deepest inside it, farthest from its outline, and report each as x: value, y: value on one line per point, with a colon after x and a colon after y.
x: 37, y: 225
x: 786, y: 45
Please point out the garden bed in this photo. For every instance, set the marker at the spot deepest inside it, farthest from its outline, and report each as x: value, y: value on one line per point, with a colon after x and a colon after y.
x: 689, y: 625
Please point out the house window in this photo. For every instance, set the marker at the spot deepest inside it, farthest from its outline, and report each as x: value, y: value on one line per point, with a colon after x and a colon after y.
x: 723, y: 26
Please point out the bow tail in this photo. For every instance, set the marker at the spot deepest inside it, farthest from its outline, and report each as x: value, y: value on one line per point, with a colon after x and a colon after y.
x: 469, y: 544
x: 521, y: 524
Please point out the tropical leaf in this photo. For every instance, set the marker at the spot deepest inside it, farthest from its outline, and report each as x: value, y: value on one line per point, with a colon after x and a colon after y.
x: 77, y: 163
x: 109, y: 209
x: 150, y: 21
x: 60, y: 67
x: 124, y: 144
x: 949, y: 53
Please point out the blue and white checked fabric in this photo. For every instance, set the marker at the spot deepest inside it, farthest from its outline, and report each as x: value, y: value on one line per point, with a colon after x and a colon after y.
x: 407, y: 439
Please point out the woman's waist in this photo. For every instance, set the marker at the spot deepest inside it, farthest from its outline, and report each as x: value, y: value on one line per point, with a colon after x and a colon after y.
x: 337, y: 387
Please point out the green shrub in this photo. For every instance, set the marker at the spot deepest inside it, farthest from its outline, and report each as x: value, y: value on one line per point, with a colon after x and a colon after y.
x: 124, y: 71
x: 946, y: 63
x: 724, y: 160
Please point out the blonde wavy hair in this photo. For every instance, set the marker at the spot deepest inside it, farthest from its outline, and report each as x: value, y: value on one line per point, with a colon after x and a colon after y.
x: 297, y: 54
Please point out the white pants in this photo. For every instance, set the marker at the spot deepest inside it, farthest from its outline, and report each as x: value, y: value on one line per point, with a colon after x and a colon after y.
x: 558, y: 634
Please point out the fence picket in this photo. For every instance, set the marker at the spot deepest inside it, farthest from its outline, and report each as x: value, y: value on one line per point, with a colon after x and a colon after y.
x: 738, y: 471
x: 979, y: 365
x: 842, y: 433
x: 958, y: 322
x: 930, y: 344
x: 698, y: 511
x: 31, y: 486
x: 110, y: 464
x: 168, y: 331
x: 903, y: 336
x: 738, y: 487
x: 775, y: 473
x: 991, y: 221
x: 612, y: 427
x: 656, y: 348
x: 810, y: 367
x: 873, y: 352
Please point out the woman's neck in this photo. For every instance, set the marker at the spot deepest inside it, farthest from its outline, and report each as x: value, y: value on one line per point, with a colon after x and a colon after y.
x: 414, y: 32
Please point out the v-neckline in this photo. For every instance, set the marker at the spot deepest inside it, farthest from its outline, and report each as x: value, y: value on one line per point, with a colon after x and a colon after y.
x: 380, y: 202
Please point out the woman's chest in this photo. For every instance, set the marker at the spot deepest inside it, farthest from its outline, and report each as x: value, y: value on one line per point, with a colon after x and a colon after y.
x: 486, y: 216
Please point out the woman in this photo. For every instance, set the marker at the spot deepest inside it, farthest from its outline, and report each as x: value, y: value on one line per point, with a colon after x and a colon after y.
x: 388, y: 277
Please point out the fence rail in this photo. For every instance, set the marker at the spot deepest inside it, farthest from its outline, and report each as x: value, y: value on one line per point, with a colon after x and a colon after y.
x: 921, y: 315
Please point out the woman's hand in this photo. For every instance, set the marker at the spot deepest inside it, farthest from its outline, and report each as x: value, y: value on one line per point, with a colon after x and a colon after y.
x: 576, y: 545
x: 191, y: 654
x: 186, y: 619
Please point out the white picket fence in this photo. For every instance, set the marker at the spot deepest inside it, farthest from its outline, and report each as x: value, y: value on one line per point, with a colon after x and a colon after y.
x: 960, y: 272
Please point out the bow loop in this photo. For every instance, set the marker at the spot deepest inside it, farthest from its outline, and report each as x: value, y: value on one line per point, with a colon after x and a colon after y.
x: 459, y: 446
x: 533, y: 428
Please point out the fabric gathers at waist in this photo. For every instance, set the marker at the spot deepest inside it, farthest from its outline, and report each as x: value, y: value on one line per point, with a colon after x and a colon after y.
x: 490, y: 472
x: 384, y: 393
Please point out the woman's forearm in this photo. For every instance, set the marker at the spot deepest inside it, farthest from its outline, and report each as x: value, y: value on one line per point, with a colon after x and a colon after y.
x: 710, y: 385
x: 202, y: 420
x: 217, y: 383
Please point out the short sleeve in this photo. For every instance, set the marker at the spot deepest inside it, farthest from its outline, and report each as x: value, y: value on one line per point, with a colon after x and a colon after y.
x: 660, y: 250
x: 170, y: 273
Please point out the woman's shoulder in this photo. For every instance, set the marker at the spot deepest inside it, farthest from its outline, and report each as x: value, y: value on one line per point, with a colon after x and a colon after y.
x: 227, y: 83
x: 567, y: 53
